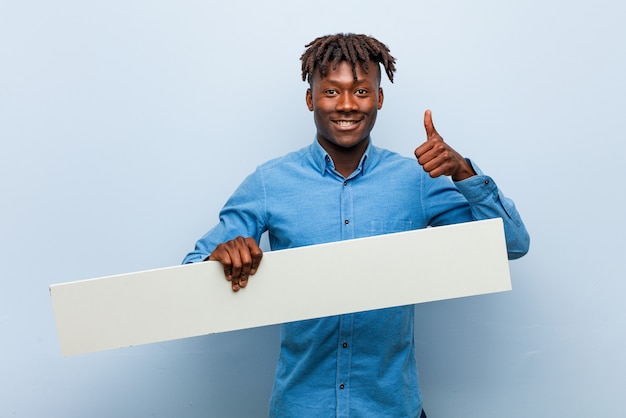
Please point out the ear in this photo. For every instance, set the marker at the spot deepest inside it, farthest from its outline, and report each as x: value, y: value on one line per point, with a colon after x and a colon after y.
x: 381, y: 98
x: 309, y: 99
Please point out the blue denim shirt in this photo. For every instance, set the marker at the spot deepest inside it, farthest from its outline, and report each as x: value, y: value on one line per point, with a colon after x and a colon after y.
x: 361, y: 364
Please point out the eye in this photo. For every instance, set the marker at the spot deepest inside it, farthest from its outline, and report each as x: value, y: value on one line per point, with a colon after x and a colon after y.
x: 331, y: 92
x: 361, y: 92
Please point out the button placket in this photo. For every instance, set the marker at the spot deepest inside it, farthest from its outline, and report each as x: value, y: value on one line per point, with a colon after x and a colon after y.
x: 344, y: 362
x: 347, y: 212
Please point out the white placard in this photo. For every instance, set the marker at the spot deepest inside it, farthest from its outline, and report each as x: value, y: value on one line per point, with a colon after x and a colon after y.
x: 300, y: 283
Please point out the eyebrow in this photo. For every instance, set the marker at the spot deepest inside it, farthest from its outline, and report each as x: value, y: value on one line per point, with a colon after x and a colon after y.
x: 335, y: 81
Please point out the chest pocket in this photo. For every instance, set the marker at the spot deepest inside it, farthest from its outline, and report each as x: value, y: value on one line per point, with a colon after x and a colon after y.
x: 387, y: 227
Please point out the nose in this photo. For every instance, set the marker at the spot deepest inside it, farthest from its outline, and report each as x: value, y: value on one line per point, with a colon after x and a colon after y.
x: 346, y: 103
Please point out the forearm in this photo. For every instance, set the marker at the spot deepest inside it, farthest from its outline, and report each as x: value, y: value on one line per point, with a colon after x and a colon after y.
x: 486, y: 201
x: 242, y: 215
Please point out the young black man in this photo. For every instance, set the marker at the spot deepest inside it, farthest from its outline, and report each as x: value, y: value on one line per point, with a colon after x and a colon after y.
x: 343, y: 187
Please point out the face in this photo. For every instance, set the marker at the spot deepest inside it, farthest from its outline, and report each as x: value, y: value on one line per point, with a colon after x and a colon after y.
x: 345, y: 109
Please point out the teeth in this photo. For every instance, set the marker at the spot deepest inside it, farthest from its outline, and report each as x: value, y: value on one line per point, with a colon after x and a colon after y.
x: 345, y: 122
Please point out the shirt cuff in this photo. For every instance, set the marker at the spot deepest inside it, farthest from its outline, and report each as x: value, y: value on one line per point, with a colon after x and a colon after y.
x: 476, y: 188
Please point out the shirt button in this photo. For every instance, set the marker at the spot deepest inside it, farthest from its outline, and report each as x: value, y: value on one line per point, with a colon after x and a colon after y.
x: 344, y: 345
x: 342, y: 386
x: 486, y: 181
x: 347, y: 222
x: 345, y: 183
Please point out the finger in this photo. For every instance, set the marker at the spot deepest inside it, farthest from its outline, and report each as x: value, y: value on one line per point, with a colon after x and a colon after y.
x: 438, y: 159
x: 230, y: 276
x: 235, y: 268
x: 438, y: 166
x: 238, y: 254
x: 245, y: 255
x: 431, y: 132
x: 423, y: 149
x: 252, y: 253
x: 251, y: 256
x: 429, y: 151
x: 256, y: 255
x: 243, y: 280
x: 245, y: 248
x: 221, y: 255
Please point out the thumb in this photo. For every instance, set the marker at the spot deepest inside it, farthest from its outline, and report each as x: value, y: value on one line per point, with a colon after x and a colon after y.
x: 431, y: 132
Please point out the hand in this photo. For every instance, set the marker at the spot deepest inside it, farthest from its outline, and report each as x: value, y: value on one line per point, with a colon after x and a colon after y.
x: 438, y: 158
x: 240, y: 258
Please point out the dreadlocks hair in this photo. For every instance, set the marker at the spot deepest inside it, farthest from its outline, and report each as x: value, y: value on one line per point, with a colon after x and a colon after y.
x: 330, y: 50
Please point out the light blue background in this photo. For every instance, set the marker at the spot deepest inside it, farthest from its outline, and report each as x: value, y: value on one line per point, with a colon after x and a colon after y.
x: 125, y: 125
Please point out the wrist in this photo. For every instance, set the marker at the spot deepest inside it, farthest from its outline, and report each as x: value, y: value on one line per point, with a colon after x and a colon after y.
x: 464, y: 171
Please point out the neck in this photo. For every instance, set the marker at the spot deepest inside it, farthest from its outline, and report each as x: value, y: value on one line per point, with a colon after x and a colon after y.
x: 346, y: 160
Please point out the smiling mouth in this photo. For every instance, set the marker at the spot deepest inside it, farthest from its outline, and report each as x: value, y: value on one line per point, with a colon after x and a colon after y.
x: 346, y: 122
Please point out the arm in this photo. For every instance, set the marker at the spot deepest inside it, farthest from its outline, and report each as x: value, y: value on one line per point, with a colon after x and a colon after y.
x: 485, y: 200
x: 234, y: 241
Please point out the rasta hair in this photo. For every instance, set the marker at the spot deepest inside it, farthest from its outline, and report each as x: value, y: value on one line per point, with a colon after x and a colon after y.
x: 330, y: 50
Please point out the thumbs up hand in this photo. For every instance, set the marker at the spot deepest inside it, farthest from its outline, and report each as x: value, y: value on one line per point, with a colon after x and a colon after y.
x: 438, y: 158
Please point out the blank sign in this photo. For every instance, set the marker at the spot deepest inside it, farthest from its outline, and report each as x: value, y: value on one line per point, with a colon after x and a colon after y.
x: 294, y: 284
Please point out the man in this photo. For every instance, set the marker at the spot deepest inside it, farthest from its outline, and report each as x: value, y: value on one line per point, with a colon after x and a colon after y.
x: 342, y: 187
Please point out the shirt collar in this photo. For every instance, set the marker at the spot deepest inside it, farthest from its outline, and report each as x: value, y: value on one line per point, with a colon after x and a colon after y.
x: 322, y: 160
